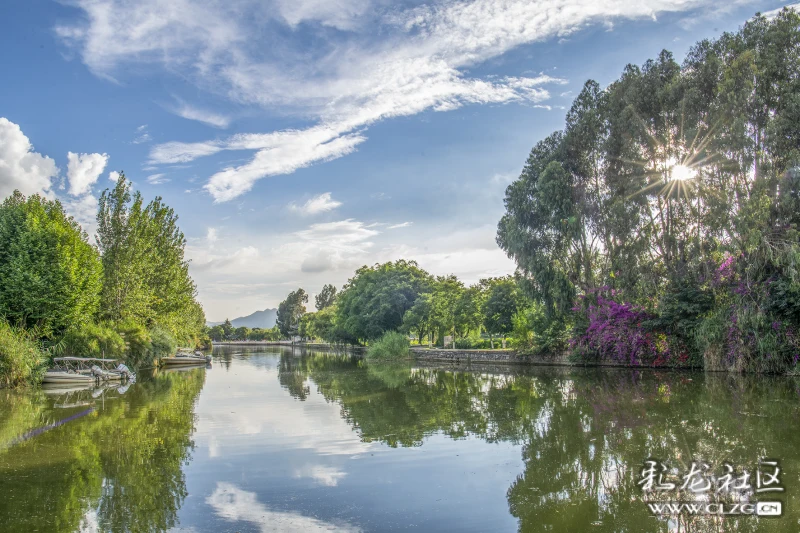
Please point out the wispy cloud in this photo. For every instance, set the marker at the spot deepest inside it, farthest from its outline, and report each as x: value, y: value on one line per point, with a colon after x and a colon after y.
x: 142, y: 136
x: 401, y: 225
x: 157, y: 179
x: 404, y: 62
x: 189, y: 112
x: 318, y: 204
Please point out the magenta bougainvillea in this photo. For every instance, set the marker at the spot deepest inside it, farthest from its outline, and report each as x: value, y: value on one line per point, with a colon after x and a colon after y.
x: 619, y: 332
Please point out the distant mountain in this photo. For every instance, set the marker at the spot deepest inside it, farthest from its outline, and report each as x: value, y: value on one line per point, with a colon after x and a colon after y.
x: 260, y: 319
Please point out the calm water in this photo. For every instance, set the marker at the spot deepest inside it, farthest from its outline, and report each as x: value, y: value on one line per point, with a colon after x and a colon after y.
x: 271, y: 441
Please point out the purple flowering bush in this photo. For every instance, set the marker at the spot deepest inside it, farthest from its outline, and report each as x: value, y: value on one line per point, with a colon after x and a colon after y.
x: 622, y: 333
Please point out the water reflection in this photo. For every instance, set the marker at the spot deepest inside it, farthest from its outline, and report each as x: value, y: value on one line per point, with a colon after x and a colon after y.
x: 289, y: 440
x: 584, y: 433
x: 118, y: 468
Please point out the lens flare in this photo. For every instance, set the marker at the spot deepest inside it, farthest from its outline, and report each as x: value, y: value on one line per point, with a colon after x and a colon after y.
x: 680, y: 172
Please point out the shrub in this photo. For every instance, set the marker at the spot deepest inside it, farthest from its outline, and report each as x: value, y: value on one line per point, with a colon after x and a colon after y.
x: 393, y: 345
x: 620, y: 332
x: 93, y: 340
x: 162, y: 342
x: 138, y: 351
x: 21, y: 359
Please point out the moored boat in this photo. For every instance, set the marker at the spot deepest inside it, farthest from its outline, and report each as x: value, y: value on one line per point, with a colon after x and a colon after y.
x: 85, y: 370
x: 186, y: 357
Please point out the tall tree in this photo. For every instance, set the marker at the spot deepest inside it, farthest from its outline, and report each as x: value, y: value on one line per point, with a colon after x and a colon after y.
x: 146, y: 276
x: 51, y: 276
x: 290, y: 311
x: 326, y: 297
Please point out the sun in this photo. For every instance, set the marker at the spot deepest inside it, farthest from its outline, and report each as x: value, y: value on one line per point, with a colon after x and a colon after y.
x: 679, y: 171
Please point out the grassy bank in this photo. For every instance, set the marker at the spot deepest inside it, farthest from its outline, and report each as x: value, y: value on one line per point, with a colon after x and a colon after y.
x: 22, y: 361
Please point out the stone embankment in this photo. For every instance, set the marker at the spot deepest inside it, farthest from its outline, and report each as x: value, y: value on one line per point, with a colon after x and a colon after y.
x: 485, y: 356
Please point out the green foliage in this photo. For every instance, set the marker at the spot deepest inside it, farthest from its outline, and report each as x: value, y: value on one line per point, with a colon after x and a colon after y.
x: 392, y: 345
x: 535, y: 332
x: 22, y: 361
x: 290, y: 312
x: 376, y: 298
x: 655, y: 180
x: 138, y: 347
x: 500, y: 305
x: 326, y: 297
x: 146, y: 277
x: 162, y: 342
x: 50, y: 274
x: 93, y: 340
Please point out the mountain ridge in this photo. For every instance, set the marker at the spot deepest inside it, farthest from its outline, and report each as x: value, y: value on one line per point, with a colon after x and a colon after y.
x: 260, y: 319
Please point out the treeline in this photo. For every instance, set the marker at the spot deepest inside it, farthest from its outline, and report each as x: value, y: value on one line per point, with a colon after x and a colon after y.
x: 660, y: 226
x: 127, y: 296
x: 228, y: 332
x: 401, y: 297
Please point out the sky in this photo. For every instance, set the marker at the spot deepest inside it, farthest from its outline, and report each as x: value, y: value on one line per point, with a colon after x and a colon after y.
x: 298, y: 140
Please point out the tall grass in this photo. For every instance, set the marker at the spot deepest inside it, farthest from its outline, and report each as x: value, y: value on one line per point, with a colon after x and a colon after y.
x: 22, y: 361
x: 392, y: 345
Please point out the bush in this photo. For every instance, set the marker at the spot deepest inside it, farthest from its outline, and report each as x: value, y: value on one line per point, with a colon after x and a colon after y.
x: 21, y: 359
x: 93, y: 340
x: 393, y: 345
x: 162, y: 342
x: 138, y: 351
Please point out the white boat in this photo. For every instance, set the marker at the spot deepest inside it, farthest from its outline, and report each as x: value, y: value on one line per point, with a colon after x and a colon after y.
x: 186, y: 357
x: 85, y: 370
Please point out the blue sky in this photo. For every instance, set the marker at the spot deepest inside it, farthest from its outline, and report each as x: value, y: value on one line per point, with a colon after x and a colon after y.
x: 300, y: 139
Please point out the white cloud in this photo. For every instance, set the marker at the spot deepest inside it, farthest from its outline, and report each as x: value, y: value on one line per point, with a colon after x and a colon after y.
x: 84, y: 210
x: 190, y: 112
x: 405, y: 61
x: 211, y: 235
x: 83, y: 170
x: 340, y: 14
x: 113, y: 175
x: 401, y: 225
x: 773, y: 13
x: 318, y: 204
x: 20, y: 167
x: 142, y: 136
x: 157, y: 179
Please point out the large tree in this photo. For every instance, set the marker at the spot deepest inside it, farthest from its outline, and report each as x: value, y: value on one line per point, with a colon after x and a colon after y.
x: 50, y: 276
x: 326, y: 297
x: 290, y: 312
x: 376, y: 298
x: 146, y: 276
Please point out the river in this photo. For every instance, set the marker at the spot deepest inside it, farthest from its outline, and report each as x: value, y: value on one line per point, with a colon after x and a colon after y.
x: 268, y: 439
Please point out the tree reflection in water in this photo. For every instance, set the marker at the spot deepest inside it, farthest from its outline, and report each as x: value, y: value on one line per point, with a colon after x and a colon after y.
x: 584, y: 433
x: 117, y: 469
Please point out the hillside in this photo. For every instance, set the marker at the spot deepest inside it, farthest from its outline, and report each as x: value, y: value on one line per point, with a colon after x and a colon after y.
x: 259, y: 319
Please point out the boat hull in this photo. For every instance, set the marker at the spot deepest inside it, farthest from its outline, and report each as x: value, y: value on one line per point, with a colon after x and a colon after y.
x: 57, y: 377
x: 183, y: 361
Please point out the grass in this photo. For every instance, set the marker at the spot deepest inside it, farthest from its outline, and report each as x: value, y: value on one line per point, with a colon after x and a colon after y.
x: 392, y: 345
x: 22, y: 361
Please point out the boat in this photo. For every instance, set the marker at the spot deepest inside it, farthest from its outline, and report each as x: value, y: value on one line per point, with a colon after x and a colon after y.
x: 186, y: 357
x: 86, y: 371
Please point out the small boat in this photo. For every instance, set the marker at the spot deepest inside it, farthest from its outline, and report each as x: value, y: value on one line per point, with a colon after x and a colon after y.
x: 186, y: 357
x: 86, y: 370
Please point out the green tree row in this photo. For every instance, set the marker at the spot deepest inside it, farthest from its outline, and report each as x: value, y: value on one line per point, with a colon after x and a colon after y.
x: 400, y: 296
x: 128, y: 296
x: 662, y: 224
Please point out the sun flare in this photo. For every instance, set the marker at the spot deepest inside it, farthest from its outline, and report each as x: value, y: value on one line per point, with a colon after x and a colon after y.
x: 680, y: 172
